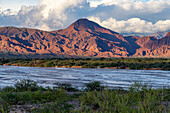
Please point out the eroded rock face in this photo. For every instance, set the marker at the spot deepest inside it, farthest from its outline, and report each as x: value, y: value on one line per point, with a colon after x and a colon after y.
x: 155, y: 48
x: 163, y: 51
x: 82, y: 38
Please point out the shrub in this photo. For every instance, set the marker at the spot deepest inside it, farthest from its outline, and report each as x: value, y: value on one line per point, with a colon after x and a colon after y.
x: 141, y: 98
x: 49, y: 64
x: 8, y: 89
x: 96, y: 85
x: 4, y: 106
x: 65, y: 86
x: 54, y: 108
x: 26, y: 85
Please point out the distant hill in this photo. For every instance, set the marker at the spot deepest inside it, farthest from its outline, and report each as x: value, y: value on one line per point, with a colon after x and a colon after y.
x: 159, y: 34
x: 83, y: 38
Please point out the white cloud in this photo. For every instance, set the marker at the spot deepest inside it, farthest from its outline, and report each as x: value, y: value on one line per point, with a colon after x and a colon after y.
x: 58, y: 8
x: 8, y: 12
x: 125, y: 16
x: 48, y: 15
x: 133, y: 25
x: 151, y: 5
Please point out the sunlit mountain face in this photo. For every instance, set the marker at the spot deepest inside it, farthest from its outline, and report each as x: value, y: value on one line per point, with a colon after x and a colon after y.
x: 104, y: 28
x: 83, y: 38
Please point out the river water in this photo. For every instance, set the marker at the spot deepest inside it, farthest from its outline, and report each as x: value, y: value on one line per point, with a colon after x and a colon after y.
x: 78, y: 77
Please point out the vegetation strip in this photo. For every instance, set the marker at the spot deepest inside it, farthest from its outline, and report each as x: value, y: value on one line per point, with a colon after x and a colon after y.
x: 111, y: 63
x: 27, y: 96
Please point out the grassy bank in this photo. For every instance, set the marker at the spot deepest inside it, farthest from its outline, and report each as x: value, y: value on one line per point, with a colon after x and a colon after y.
x: 27, y: 96
x: 119, y: 63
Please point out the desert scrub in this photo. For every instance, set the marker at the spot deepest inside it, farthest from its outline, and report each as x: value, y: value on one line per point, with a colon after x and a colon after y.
x: 28, y: 92
x: 54, y: 108
x: 4, y: 106
x: 21, y: 98
x: 139, y: 98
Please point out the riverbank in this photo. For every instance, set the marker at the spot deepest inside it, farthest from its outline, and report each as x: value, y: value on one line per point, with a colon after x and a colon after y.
x: 91, y: 67
x: 27, y: 96
x: 121, y: 63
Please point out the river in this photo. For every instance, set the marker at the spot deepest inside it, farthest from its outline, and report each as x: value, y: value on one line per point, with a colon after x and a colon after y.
x: 78, y: 77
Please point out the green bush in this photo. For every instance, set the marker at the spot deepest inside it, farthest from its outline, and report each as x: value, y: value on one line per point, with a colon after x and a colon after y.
x: 65, y: 86
x: 22, y: 98
x: 4, y: 106
x: 49, y: 64
x: 96, y: 85
x: 8, y: 89
x: 26, y: 85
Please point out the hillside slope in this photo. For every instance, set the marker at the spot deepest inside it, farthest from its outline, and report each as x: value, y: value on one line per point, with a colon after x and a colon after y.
x: 82, y: 38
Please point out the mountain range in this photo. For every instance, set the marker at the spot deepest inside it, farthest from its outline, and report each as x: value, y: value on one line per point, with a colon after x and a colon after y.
x: 83, y: 38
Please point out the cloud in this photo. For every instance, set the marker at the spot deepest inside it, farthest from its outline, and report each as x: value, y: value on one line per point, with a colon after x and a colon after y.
x: 133, y: 25
x: 125, y: 16
x: 59, y: 13
x: 48, y: 15
x: 152, y: 10
x: 8, y: 12
x: 149, y: 6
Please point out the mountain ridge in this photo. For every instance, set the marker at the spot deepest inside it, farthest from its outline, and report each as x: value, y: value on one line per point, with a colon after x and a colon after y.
x: 83, y: 38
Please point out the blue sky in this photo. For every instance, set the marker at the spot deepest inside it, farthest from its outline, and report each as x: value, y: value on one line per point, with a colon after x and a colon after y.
x: 123, y: 16
x: 16, y: 4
